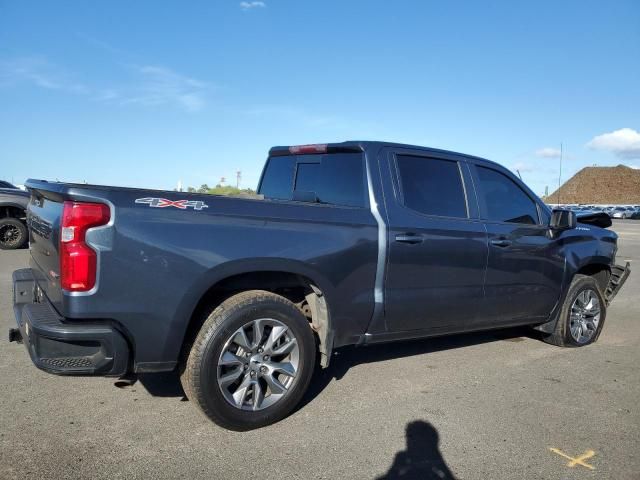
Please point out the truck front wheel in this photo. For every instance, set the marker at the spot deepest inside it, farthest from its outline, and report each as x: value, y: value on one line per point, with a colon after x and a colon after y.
x: 582, y: 316
x: 251, y: 362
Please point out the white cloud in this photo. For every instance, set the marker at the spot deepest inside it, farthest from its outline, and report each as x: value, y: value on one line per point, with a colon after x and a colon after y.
x: 39, y: 72
x: 548, y: 152
x: 623, y: 143
x: 250, y: 5
x: 107, y: 95
x: 150, y: 85
x: 163, y: 86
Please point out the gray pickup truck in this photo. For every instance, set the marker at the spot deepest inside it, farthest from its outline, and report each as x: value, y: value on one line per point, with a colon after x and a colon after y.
x: 345, y: 244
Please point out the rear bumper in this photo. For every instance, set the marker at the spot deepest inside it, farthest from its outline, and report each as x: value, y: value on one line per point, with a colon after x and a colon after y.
x: 58, y: 346
x: 619, y: 275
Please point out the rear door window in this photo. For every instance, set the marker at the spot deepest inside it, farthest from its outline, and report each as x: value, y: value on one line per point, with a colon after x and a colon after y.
x: 432, y: 186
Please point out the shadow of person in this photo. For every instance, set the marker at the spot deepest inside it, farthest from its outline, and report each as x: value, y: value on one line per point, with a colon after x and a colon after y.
x: 422, y: 458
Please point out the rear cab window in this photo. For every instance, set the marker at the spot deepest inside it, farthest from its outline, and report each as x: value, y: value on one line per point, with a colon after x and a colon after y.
x: 330, y: 179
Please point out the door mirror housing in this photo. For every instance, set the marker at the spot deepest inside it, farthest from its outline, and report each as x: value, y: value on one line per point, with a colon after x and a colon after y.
x: 563, y: 220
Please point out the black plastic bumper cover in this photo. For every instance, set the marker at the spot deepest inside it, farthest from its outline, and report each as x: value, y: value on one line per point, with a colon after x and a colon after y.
x: 58, y: 346
x: 619, y: 275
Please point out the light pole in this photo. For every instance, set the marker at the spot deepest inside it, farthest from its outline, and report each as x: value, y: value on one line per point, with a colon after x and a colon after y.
x: 560, y: 175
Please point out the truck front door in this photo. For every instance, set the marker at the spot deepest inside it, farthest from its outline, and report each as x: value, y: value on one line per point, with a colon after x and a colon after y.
x: 525, y: 268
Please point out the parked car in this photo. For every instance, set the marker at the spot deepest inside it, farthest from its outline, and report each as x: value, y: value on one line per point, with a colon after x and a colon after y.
x: 622, y: 212
x: 348, y: 244
x: 610, y: 211
x: 13, y: 206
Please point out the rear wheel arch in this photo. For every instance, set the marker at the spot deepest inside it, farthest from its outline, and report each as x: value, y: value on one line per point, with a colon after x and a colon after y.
x: 306, y: 293
x: 10, y: 210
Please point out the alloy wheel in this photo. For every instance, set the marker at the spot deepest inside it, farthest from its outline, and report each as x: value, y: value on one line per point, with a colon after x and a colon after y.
x: 585, y: 316
x: 258, y: 364
x: 9, y: 235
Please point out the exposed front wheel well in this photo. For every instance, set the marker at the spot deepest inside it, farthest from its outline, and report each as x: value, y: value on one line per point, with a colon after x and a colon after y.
x: 599, y: 272
x: 298, y: 289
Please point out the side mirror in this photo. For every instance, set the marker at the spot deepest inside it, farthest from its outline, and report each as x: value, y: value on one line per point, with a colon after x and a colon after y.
x: 563, y: 220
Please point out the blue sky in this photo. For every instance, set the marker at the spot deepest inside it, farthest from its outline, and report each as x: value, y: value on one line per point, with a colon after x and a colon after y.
x: 147, y: 93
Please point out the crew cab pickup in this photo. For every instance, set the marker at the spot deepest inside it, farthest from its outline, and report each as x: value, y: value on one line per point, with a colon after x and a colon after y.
x: 345, y: 244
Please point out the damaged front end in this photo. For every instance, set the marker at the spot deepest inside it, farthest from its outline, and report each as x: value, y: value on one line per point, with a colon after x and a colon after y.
x: 619, y: 275
x: 601, y: 220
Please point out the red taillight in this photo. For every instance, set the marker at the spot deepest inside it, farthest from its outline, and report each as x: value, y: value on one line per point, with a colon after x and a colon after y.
x: 77, y: 260
x: 307, y: 149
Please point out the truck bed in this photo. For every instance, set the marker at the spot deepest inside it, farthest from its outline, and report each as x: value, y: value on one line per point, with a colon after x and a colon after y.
x: 156, y: 260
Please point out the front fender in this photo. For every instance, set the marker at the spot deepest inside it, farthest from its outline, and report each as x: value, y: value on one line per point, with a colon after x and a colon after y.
x: 580, y: 251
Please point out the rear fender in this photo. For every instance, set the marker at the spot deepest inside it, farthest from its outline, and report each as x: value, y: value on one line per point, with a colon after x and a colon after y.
x: 210, y: 279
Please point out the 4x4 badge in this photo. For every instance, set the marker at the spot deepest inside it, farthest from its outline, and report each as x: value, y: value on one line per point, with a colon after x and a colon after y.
x: 164, y: 203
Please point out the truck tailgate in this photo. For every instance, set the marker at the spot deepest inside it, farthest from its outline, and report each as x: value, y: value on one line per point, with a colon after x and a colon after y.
x: 43, y: 220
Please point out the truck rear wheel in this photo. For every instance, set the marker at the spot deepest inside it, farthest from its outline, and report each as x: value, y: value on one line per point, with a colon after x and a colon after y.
x: 251, y: 362
x: 13, y: 233
x: 582, y: 316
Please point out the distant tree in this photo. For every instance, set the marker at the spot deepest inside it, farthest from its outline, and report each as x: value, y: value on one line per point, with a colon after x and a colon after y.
x: 229, y: 190
x: 221, y: 190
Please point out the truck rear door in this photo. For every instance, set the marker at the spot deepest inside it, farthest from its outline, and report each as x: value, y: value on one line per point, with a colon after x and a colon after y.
x: 437, y: 244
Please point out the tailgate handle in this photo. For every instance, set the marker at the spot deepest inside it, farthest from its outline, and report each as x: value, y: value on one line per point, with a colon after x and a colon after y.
x: 411, y: 238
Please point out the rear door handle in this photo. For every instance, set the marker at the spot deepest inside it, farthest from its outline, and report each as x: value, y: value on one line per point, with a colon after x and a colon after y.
x: 501, y: 242
x: 409, y: 238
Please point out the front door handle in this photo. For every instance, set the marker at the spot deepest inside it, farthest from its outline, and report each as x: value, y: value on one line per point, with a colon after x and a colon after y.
x: 501, y: 242
x: 409, y: 238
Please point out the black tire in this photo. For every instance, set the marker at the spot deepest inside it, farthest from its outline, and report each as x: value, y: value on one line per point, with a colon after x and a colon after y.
x: 562, y: 335
x: 13, y: 234
x: 199, y: 375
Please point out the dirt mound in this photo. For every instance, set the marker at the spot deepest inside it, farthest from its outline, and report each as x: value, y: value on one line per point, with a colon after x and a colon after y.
x: 600, y: 185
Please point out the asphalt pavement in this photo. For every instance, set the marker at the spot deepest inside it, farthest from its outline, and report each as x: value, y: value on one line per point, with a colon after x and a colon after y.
x: 499, y: 405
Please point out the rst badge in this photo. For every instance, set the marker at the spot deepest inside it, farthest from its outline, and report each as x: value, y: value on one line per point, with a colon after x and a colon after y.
x: 164, y: 203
